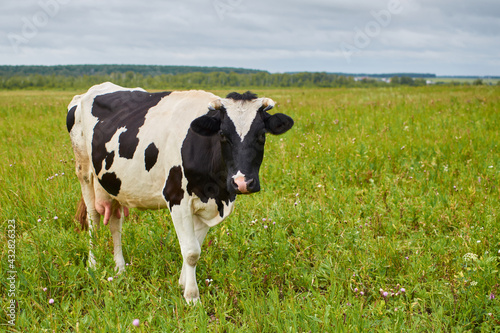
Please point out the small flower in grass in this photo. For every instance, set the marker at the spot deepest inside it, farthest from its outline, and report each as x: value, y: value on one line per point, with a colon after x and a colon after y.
x: 110, y: 279
x: 355, y: 290
x: 39, y: 220
x: 136, y: 322
x: 44, y: 289
x: 51, y: 301
x: 385, y: 294
x: 492, y: 296
x: 470, y: 257
x: 361, y: 293
x: 265, y: 227
x: 402, y: 290
x: 55, y: 217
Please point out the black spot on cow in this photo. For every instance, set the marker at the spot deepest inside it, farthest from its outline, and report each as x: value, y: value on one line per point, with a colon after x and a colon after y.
x: 109, y: 160
x: 205, y: 170
x: 173, y: 192
x: 150, y: 156
x: 115, y: 110
x: 110, y: 183
x: 127, y: 145
x: 70, y: 118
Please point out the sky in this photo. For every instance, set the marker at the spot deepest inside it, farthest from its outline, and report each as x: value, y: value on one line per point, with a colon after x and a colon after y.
x: 443, y: 37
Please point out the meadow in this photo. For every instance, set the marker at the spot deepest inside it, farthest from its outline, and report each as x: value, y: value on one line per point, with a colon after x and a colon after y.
x: 379, y: 212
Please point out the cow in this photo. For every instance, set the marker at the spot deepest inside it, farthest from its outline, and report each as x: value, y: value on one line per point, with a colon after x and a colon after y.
x: 189, y: 151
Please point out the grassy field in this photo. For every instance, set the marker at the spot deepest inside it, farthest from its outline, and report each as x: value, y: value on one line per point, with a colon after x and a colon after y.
x: 379, y: 212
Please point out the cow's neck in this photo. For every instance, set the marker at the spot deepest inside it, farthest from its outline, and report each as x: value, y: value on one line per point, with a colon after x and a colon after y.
x: 205, y: 169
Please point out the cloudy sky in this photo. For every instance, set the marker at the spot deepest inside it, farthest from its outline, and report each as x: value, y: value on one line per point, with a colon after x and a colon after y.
x: 445, y: 37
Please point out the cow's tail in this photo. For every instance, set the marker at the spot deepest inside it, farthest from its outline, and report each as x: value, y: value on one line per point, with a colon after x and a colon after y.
x: 81, y: 215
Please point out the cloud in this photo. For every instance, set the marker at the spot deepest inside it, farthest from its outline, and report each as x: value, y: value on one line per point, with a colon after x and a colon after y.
x: 445, y: 37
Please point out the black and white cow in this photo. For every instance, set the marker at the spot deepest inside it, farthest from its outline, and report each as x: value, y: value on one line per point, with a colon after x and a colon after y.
x: 189, y: 151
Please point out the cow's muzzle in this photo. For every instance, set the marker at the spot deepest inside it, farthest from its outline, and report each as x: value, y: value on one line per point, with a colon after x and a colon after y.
x: 245, y: 186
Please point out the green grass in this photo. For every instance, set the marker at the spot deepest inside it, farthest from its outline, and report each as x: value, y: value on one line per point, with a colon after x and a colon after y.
x: 373, y: 190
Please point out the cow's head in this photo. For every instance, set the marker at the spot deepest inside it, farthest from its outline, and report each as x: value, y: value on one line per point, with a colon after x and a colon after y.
x: 241, y: 123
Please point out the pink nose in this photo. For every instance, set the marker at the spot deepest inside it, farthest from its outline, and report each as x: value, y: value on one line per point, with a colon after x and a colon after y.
x: 241, y: 184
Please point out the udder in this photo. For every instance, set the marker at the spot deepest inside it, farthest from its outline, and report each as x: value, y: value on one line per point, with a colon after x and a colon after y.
x: 108, y: 208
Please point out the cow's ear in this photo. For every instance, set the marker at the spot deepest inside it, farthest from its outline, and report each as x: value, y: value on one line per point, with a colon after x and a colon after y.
x: 206, y: 125
x: 278, y: 123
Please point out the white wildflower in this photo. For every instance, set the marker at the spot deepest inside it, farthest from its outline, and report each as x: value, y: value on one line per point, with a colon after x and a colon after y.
x: 470, y: 257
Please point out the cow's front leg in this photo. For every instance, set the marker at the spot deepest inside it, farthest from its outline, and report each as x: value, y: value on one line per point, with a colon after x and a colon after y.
x: 190, y: 249
x: 200, y: 231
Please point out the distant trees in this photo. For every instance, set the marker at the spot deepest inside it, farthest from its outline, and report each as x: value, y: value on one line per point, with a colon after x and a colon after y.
x: 146, y: 70
x: 407, y: 81
x: 80, y: 77
x: 478, y: 82
x: 183, y: 81
x: 195, y: 80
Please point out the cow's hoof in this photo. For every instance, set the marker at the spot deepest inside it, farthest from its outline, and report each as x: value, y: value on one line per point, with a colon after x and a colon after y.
x: 119, y: 269
x: 193, y: 301
x: 192, y: 297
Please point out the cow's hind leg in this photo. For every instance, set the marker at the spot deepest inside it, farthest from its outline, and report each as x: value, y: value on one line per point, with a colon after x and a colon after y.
x: 93, y: 217
x: 115, y: 226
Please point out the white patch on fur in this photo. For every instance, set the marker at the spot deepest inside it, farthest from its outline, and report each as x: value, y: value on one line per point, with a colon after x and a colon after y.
x: 238, y: 174
x: 242, y: 113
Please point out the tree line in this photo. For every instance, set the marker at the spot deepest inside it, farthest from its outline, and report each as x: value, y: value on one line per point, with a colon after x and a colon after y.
x: 197, y: 80
x: 81, y: 77
x: 81, y: 70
